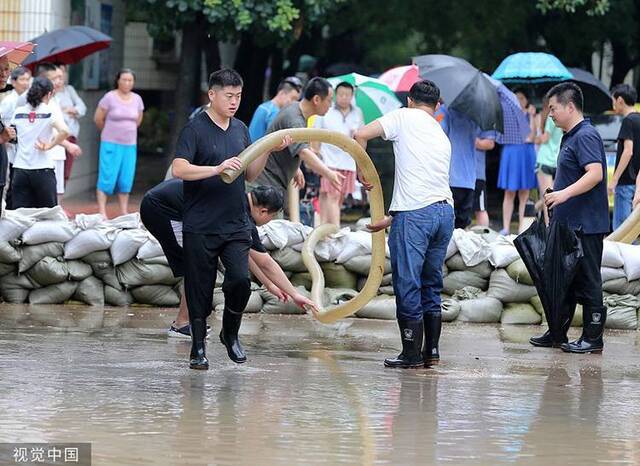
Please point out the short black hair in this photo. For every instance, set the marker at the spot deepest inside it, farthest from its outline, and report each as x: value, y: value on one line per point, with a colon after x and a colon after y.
x: 522, y: 91
x: 567, y: 92
x: 19, y: 71
x: 268, y: 197
x: 345, y: 85
x: 289, y: 84
x: 317, y: 87
x: 225, y: 77
x: 120, y: 73
x: 40, y: 87
x: 44, y: 67
x: 425, y: 92
x: 627, y: 92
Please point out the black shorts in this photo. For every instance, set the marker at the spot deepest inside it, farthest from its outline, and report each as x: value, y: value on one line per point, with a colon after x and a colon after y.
x: 33, y: 188
x: 547, y: 170
x: 480, y: 196
x: 462, y: 206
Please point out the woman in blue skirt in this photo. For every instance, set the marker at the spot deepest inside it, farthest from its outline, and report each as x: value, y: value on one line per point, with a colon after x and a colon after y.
x: 517, y: 172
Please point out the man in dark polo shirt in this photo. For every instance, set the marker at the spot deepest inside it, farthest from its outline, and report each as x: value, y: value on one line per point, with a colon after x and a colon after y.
x: 215, y: 224
x: 284, y: 165
x: 579, y: 199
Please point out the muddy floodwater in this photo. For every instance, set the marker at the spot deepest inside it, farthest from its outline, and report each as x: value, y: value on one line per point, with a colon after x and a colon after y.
x: 311, y: 394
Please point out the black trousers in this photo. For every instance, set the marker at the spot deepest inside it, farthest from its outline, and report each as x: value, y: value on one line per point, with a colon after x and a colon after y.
x: 201, y: 253
x: 463, y: 206
x: 33, y: 188
x: 159, y: 225
x: 586, y: 287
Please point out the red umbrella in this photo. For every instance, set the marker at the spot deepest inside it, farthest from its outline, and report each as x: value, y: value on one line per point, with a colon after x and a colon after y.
x: 400, y: 79
x: 68, y: 45
x: 16, y: 52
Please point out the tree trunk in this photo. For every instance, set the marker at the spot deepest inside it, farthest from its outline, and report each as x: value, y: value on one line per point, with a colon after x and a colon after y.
x: 622, y: 63
x: 211, y: 54
x: 277, y: 58
x: 251, y: 63
x: 188, y: 83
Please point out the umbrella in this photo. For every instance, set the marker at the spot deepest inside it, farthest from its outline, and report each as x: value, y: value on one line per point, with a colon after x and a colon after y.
x: 401, y: 78
x: 515, y: 124
x: 463, y: 88
x: 372, y: 96
x: 68, y: 45
x: 551, y: 255
x: 531, y: 67
x: 16, y: 52
x: 597, y: 98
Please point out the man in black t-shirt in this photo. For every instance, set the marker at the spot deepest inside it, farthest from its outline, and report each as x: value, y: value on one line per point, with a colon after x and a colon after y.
x: 161, y: 212
x: 215, y: 224
x: 623, y: 183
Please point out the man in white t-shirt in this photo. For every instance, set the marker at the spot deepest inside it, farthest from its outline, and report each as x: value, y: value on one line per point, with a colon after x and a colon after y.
x: 421, y: 220
x: 346, y: 119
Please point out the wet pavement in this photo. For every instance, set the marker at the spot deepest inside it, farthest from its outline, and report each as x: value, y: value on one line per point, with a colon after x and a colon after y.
x: 311, y: 394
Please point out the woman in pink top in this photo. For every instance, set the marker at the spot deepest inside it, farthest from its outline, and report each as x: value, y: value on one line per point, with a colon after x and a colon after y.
x: 118, y: 116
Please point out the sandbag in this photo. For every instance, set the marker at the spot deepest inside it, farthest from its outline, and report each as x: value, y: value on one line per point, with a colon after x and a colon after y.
x: 156, y: 295
x: 458, y: 280
x: 504, y: 288
x: 90, y: 291
x: 520, y: 314
x: 450, y: 309
x: 117, y: 297
x: 126, y: 245
x: 577, y: 316
x: 88, y: 241
x: 301, y: 279
x: 360, y: 283
x: 288, y: 259
x: 621, y: 286
x: 162, y: 260
x: 611, y: 256
x: 388, y: 290
x: 519, y: 273
x: 49, y: 271
x: 53, y: 294
x: 254, y: 304
x: 278, y: 234
x: 78, y: 270
x: 473, y: 248
x: 8, y: 253
x: 49, y: 231
x: 139, y: 273
x: 150, y: 249
x: 381, y: 307
x: 7, y: 269
x: 335, y: 296
x: 35, y: 253
x: 106, y: 272
x: 387, y: 280
x: 15, y: 288
x: 273, y: 306
x: 631, y: 256
x: 39, y: 214
x: 357, y: 243
x: 622, y: 311
x: 483, y: 309
x: 336, y: 276
x: 12, y: 226
x: 609, y: 273
x: 456, y: 264
x: 362, y: 264
x: 452, y: 249
x: 537, y: 305
x: 503, y: 252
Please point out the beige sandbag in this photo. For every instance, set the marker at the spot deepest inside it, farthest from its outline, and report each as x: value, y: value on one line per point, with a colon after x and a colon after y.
x: 49, y: 271
x: 155, y: 295
x: 519, y: 273
x: 90, y: 291
x: 360, y: 283
x: 254, y: 304
x: 337, y: 276
x: 483, y: 309
x: 335, y: 296
x: 621, y: 286
x: 388, y: 290
x: 117, y: 297
x: 577, y: 316
x: 387, y: 280
x: 450, y: 309
x: 273, y: 306
x: 301, y: 279
x: 53, y: 294
x: 622, y: 311
x: 505, y: 289
x: 289, y: 260
x: 15, y: 288
x: 362, y: 264
x: 456, y: 263
x: 609, y: 273
x: 8, y: 253
x: 458, y: 280
x: 6, y: 269
x: 32, y: 254
x: 537, y: 304
x: 78, y: 270
x: 520, y: 314
x: 381, y: 307
x: 106, y: 272
x: 139, y: 273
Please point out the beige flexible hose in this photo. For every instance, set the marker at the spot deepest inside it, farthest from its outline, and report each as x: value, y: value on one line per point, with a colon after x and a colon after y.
x: 629, y: 230
x: 365, y: 165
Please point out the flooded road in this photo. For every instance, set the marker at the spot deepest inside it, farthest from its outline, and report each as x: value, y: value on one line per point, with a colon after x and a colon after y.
x: 311, y: 394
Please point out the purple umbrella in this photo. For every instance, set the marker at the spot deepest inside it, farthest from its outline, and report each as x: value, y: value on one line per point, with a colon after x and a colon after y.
x: 515, y: 124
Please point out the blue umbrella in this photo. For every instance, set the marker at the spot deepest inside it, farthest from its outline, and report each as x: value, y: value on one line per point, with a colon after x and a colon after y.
x: 531, y: 67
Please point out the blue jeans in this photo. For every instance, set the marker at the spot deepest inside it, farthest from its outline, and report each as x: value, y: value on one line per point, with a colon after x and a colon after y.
x: 418, y: 244
x: 622, y: 203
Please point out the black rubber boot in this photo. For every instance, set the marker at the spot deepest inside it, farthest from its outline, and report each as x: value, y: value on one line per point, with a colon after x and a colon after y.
x: 432, y: 326
x: 545, y: 341
x: 198, y: 356
x: 594, y: 318
x: 229, y: 335
x: 411, y: 332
